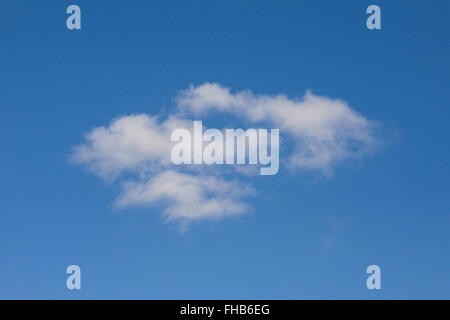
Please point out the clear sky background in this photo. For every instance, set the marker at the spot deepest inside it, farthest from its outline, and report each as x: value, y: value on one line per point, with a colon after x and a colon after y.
x: 307, y: 236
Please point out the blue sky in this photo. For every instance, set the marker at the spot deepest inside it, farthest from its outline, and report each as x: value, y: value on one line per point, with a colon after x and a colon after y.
x: 306, y: 235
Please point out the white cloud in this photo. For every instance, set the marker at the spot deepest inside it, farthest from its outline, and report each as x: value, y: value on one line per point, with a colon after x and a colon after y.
x: 130, y: 143
x: 136, y: 149
x: 187, y: 196
x: 324, y: 131
x: 140, y: 146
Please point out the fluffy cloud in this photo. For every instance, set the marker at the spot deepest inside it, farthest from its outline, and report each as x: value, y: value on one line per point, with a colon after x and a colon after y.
x: 324, y: 131
x: 130, y: 143
x: 187, y: 196
x: 139, y: 147
x: 136, y: 149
